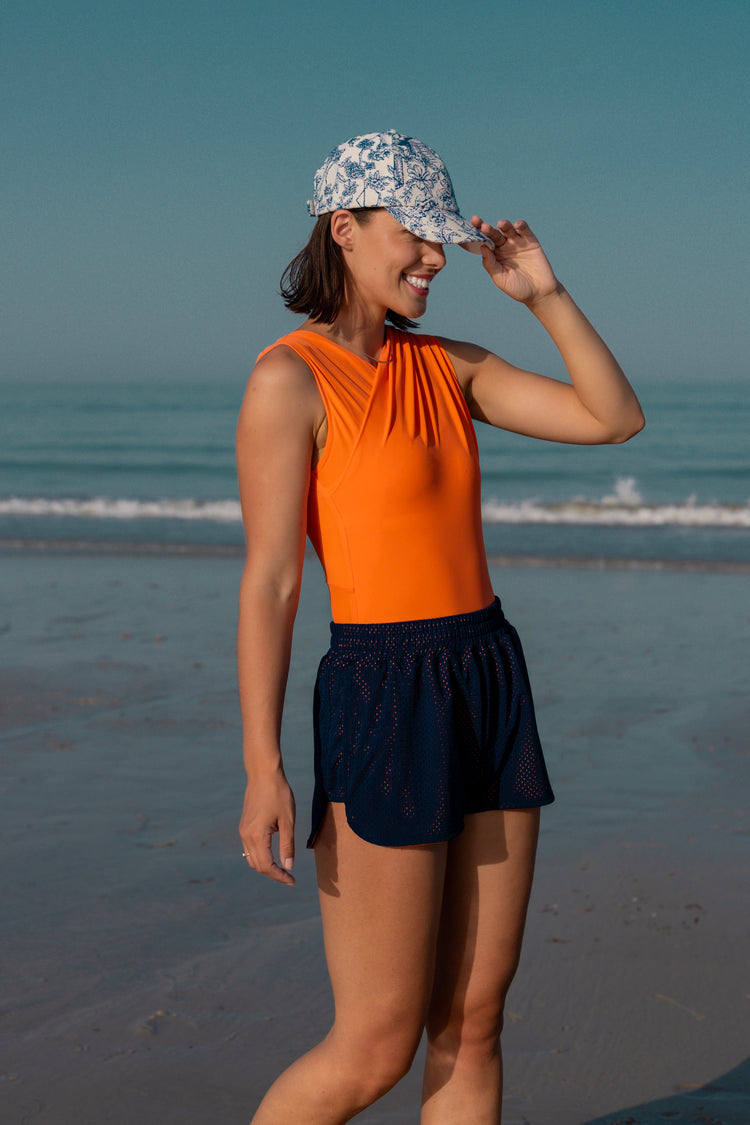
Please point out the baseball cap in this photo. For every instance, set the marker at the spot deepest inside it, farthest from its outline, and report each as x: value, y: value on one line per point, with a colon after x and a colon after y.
x: 402, y: 175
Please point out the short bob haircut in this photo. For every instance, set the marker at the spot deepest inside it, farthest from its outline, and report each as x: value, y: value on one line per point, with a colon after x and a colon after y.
x: 314, y: 282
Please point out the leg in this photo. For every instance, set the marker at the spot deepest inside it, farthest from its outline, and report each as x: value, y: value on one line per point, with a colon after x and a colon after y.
x: 487, y: 886
x: 381, y: 910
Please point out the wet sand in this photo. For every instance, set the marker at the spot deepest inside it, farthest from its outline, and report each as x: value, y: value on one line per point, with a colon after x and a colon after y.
x: 149, y: 977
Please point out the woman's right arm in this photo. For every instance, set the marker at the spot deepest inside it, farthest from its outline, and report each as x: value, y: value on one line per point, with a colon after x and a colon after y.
x: 280, y: 415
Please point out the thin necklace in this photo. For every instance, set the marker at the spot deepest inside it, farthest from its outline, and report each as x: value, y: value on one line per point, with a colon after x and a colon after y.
x: 373, y: 359
x: 364, y: 355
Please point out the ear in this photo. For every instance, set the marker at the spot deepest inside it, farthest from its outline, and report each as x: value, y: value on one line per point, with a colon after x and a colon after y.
x: 343, y: 226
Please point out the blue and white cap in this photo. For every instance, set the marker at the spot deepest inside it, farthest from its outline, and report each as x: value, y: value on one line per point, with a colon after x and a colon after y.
x: 400, y: 174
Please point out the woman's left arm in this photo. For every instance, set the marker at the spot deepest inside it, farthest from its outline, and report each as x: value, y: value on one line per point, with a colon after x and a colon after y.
x: 598, y: 408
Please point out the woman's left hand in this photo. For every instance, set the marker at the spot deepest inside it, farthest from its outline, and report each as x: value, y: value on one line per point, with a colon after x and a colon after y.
x: 517, y: 265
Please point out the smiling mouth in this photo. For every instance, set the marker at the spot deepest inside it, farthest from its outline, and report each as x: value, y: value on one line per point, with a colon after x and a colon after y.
x: 421, y: 284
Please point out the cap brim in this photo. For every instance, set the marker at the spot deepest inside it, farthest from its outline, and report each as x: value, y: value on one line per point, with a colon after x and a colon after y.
x: 446, y: 227
x: 476, y: 247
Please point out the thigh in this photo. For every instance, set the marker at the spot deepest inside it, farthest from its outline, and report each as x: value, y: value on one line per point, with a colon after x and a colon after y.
x: 488, y: 878
x: 381, y: 912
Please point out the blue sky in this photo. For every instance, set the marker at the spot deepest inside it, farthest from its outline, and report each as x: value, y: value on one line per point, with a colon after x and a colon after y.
x: 157, y: 158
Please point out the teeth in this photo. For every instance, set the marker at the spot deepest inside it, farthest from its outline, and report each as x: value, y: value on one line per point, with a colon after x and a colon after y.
x: 419, y: 282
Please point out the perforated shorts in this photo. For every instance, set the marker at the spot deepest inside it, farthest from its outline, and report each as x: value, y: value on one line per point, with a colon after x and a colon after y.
x: 418, y: 723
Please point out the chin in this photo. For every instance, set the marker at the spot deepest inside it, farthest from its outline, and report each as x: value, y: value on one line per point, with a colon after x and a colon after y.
x: 411, y: 307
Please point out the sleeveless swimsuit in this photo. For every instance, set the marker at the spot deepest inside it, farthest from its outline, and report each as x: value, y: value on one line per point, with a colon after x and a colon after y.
x: 423, y: 709
x: 394, y: 509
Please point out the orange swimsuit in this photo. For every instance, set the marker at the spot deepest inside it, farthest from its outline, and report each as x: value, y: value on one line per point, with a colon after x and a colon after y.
x: 394, y: 509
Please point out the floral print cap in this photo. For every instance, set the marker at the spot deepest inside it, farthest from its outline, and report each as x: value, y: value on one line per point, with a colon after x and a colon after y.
x: 400, y: 174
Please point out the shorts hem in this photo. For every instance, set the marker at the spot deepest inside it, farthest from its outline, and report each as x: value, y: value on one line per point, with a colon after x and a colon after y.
x: 449, y: 833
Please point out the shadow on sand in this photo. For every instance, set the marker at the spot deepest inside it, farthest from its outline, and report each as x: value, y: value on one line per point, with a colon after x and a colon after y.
x: 725, y: 1101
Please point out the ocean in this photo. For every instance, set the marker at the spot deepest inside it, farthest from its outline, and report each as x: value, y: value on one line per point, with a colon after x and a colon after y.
x: 107, y: 464
x: 150, y: 972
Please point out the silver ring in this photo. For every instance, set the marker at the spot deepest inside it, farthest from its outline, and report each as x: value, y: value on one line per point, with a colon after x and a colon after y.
x: 246, y: 855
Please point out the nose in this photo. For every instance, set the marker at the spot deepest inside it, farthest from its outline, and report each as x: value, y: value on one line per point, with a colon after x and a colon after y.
x: 433, y: 255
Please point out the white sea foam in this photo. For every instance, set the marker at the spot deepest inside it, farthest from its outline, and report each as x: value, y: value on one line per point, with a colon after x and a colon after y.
x: 624, y: 507
x: 592, y: 513
x: 104, y: 508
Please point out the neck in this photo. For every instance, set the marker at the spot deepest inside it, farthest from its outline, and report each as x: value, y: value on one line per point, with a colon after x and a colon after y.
x: 358, y: 328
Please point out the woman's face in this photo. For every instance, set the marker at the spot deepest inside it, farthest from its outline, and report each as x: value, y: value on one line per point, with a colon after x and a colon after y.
x: 389, y: 267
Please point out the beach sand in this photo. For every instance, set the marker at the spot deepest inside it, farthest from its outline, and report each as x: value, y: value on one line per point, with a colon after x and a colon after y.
x: 149, y: 977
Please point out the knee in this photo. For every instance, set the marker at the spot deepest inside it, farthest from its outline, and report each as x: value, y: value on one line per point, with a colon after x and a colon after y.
x: 380, y: 1059
x: 471, y: 1035
x: 391, y: 1052
x: 381, y: 1073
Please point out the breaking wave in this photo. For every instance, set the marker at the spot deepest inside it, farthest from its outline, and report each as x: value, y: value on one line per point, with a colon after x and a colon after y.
x: 104, y: 508
x: 624, y: 507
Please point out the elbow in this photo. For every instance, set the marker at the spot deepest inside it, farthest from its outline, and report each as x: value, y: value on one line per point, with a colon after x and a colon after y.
x: 278, y: 586
x: 635, y: 427
x: 627, y: 428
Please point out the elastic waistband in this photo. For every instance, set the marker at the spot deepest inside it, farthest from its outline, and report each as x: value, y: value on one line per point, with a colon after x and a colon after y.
x: 430, y: 633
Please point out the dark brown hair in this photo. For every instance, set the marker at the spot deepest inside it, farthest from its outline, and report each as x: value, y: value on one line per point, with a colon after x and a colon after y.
x: 314, y: 282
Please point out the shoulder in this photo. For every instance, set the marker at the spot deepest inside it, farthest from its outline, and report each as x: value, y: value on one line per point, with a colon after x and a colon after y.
x: 281, y: 385
x: 280, y: 363
x: 282, y: 370
x: 458, y: 351
x: 466, y: 359
x: 465, y: 353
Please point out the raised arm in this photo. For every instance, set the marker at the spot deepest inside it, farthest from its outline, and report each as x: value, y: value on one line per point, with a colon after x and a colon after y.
x: 280, y: 416
x: 598, y: 406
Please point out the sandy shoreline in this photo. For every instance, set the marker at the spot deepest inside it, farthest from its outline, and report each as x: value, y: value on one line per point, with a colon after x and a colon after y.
x: 110, y: 547
x: 149, y: 977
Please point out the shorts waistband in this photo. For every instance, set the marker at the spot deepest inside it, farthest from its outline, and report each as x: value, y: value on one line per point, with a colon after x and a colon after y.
x: 429, y: 633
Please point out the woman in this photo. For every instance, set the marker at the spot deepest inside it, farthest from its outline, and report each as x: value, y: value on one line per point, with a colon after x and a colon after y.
x: 429, y: 773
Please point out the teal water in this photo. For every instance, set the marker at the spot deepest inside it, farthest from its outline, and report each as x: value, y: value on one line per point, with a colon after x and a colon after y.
x: 153, y: 462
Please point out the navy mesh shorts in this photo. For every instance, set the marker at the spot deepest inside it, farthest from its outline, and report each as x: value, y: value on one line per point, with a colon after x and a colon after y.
x: 419, y: 722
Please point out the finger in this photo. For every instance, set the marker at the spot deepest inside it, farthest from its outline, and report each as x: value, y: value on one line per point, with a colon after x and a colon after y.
x: 260, y: 857
x: 286, y: 844
x: 246, y: 848
x: 279, y: 875
x: 489, y: 257
x: 483, y: 226
x: 508, y: 230
x: 516, y: 231
x: 488, y: 254
x: 497, y: 237
x: 480, y: 224
x: 258, y: 852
